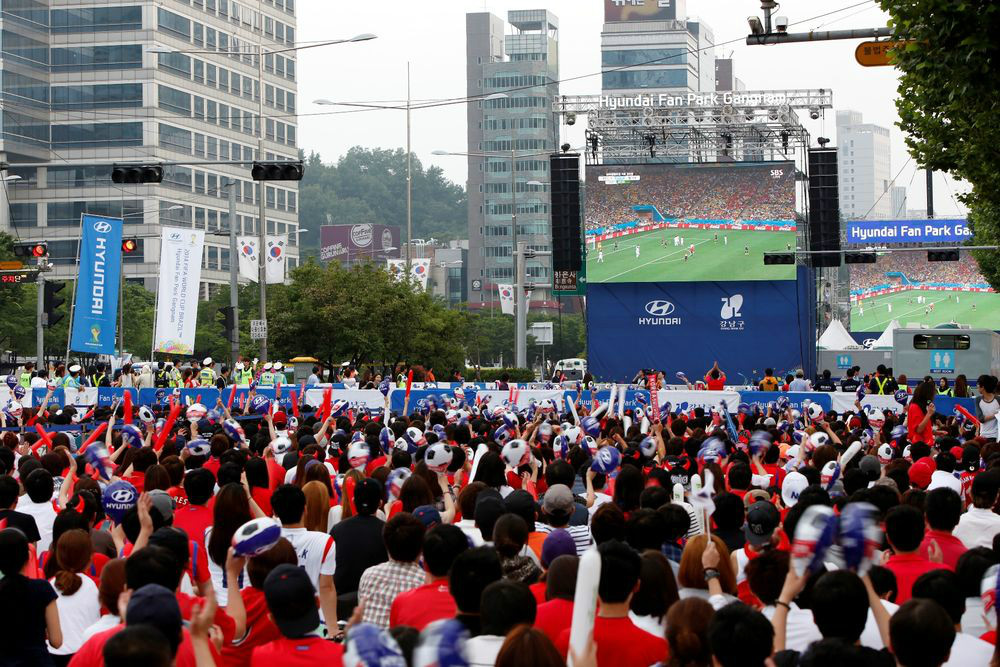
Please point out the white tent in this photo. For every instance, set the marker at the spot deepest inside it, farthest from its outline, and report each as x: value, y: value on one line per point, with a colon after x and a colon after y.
x: 885, y: 340
x: 836, y: 338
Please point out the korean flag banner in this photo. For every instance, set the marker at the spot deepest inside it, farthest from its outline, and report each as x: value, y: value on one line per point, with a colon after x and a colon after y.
x: 420, y: 270
x: 249, y: 259
x: 95, y: 309
x: 274, y: 255
x: 506, y: 298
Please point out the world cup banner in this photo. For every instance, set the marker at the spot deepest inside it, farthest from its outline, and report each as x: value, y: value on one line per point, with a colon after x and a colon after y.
x: 177, y: 294
x: 95, y: 306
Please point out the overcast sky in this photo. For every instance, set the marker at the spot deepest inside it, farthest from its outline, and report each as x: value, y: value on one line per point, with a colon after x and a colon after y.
x: 430, y: 34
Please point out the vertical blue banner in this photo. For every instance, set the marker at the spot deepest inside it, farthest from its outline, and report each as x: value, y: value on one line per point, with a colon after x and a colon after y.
x: 96, y: 305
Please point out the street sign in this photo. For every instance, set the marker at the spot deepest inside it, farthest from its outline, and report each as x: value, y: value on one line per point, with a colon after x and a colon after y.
x: 11, y: 265
x: 18, y: 277
x: 876, y: 54
x: 258, y: 329
x: 541, y: 332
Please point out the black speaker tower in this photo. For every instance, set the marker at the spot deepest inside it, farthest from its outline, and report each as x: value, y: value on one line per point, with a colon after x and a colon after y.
x: 824, y: 208
x: 567, y: 246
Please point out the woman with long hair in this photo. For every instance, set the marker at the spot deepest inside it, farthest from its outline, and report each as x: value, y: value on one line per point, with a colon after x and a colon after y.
x: 691, y: 574
x: 345, y: 509
x: 231, y: 510
x: 920, y: 414
x: 657, y: 593
x: 961, y: 387
x: 628, y: 488
x: 78, y: 602
x: 525, y: 645
x: 23, y: 634
x: 317, y: 507
x: 687, y: 633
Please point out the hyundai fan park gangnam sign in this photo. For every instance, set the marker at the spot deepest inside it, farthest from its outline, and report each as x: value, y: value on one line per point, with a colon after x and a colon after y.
x: 908, y: 231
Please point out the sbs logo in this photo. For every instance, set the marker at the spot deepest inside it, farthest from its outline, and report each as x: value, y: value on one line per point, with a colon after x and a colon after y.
x: 102, y: 227
x: 660, y: 312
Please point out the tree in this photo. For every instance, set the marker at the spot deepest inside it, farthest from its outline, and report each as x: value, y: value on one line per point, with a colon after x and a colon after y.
x: 947, y: 102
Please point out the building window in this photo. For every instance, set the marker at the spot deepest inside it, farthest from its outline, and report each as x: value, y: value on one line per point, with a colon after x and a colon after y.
x: 90, y: 58
x: 660, y: 78
x: 175, y: 100
x: 96, y: 135
x: 170, y: 22
x: 644, y: 57
x: 175, y: 138
x: 89, y: 97
x: 95, y: 19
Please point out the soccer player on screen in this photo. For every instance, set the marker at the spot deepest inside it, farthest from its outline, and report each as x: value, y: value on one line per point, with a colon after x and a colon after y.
x: 637, y: 251
x: 746, y: 251
x: 691, y: 249
x: 600, y: 257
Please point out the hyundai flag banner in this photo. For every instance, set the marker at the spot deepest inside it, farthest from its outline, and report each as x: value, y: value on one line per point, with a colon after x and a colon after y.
x: 95, y: 309
x: 908, y: 231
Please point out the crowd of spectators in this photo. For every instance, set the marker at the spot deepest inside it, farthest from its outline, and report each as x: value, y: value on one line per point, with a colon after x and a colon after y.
x: 916, y: 269
x: 703, y: 193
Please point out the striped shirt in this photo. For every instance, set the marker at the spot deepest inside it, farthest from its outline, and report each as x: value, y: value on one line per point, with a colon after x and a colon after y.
x: 580, y: 534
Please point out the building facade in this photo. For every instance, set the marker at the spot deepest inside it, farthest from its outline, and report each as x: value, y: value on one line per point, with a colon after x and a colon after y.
x: 177, y: 81
x: 650, y: 47
x: 864, y: 168
x: 515, y: 66
x: 898, y: 193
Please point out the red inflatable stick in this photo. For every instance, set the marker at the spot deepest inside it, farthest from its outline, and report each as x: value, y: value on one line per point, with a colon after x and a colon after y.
x: 161, y: 437
x: 128, y: 407
x: 327, y: 400
x: 295, y: 404
x: 277, y: 389
x: 93, y: 436
x: 232, y: 395
x: 43, y: 439
x: 965, y: 413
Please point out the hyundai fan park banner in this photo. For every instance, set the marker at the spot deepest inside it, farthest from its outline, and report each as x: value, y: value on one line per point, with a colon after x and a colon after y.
x: 886, y: 232
x: 95, y: 307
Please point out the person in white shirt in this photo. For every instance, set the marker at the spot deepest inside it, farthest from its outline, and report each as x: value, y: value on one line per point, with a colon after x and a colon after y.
x: 988, y: 407
x: 111, y: 586
x: 37, y: 501
x: 40, y: 381
x: 316, y: 551
x: 979, y: 524
x: 943, y: 587
x: 505, y: 605
x: 78, y: 603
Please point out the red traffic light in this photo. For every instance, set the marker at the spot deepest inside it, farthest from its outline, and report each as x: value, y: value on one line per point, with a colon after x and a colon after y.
x: 39, y: 250
x: 31, y: 250
x: 129, y: 245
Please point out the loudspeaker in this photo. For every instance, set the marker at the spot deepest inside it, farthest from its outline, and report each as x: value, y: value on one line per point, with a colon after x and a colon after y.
x: 824, y: 207
x: 567, y: 246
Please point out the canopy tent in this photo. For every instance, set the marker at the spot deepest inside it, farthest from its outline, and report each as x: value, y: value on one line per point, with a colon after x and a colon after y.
x: 836, y: 338
x: 885, y: 340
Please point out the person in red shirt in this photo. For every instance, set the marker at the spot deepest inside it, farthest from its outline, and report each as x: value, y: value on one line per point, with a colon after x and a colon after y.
x: 556, y: 613
x: 904, y: 529
x: 943, y: 509
x: 142, y: 459
x: 260, y: 629
x: 920, y: 414
x: 294, y: 608
x: 195, y: 517
x: 716, y: 381
x: 431, y: 602
x: 619, y: 642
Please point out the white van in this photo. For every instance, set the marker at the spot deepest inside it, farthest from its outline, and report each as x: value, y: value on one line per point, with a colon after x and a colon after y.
x: 573, y: 369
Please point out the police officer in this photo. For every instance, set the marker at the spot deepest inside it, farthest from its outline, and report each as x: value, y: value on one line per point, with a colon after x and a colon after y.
x: 278, y: 375
x: 175, y: 375
x: 206, y: 376
x: 267, y: 377
x: 72, y: 379
x: 25, y: 378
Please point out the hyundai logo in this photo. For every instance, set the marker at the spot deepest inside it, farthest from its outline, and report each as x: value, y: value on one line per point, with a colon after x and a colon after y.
x: 122, y: 495
x: 102, y: 227
x: 175, y: 236
x: 659, y: 308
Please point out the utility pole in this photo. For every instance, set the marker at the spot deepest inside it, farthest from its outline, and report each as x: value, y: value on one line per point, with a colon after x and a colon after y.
x: 40, y: 318
x: 520, y: 312
x: 262, y: 209
x: 930, y: 194
x: 409, y: 181
x: 234, y: 297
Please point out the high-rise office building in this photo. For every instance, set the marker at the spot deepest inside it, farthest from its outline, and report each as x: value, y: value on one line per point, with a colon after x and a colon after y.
x: 516, y: 67
x: 898, y: 193
x: 864, y: 168
x: 177, y: 81
x: 650, y: 46
x: 725, y: 76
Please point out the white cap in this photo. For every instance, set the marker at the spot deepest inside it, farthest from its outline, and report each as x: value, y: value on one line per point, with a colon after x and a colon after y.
x: 277, y: 366
x: 794, y: 484
x: 207, y: 362
x: 239, y: 365
x: 267, y: 366
x: 75, y: 368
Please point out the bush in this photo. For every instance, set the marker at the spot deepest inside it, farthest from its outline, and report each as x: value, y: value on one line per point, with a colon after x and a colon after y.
x: 493, y: 374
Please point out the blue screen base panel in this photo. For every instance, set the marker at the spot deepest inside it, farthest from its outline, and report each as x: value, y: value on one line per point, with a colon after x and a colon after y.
x: 745, y: 326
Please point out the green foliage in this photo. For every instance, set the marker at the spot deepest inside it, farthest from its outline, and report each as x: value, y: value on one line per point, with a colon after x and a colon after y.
x: 494, y: 374
x: 369, y: 185
x: 947, y: 102
x: 490, y: 338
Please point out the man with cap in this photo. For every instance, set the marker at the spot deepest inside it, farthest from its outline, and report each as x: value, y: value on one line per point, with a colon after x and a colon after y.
x: 206, y: 376
x: 557, y: 508
x: 380, y: 584
x: 72, y: 379
x: 762, y: 521
x: 291, y: 601
x: 421, y: 606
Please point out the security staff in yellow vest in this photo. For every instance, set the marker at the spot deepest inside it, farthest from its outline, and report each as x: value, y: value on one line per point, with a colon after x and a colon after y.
x: 25, y: 378
x: 72, y: 379
x: 98, y: 378
x: 882, y: 383
x: 267, y: 377
x: 278, y: 374
x: 242, y: 375
x: 206, y: 376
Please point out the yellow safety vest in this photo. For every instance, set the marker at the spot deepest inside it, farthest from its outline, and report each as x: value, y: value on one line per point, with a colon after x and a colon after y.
x: 881, y: 384
x: 206, y: 377
x: 25, y: 380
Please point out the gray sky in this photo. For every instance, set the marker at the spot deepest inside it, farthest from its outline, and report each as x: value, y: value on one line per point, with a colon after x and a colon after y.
x: 430, y: 34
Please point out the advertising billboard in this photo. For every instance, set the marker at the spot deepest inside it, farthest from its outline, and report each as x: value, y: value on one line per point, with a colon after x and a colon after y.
x: 886, y: 232
x: 745, y: 326
x: 644, y: 10
x: 689, y: 222
x: 345, y: 243
x: 905, y: 287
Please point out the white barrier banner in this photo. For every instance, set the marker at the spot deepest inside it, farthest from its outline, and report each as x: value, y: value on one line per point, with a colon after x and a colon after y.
x: 521, y: 397
x: 369, y: 398
x: 689, y: 400
x: 843, y: 401
x: 177, y: 295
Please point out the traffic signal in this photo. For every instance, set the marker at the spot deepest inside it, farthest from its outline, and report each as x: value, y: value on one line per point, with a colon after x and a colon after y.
x: 228, y: 321
x: 860, y: 258
x: 277, y: 171
x: 779, y: 258
x: 31, y: 250
x: 129, y: 246
x: 137, y: 173
x: 942, y: 255
x: 52, y: 302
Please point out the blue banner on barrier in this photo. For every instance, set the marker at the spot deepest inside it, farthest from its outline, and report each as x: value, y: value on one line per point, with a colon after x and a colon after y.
x: 745, y: 326
x: 95, y: 308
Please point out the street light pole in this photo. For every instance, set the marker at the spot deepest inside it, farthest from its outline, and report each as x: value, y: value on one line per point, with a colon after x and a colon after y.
x: 409, y: 180
x: 262, y: 210
x: 518, y: 249
x: 234, y: 297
